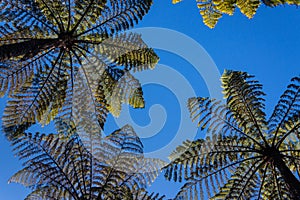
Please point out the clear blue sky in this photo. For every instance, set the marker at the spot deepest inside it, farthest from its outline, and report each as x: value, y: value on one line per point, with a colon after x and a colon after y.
x: 268, y: 46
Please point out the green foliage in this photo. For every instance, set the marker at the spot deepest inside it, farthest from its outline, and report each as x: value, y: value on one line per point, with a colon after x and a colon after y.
x: 245, y: 156
x: 61, y: 167
x: 54, y: 54
x: 212, y: 10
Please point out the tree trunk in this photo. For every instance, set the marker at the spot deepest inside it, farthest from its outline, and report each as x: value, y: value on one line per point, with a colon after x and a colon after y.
x: 291, y: 181
x: 27, y: 49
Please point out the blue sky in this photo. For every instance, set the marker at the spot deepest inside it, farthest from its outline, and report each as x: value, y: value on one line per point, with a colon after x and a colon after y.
x: 267, y: 46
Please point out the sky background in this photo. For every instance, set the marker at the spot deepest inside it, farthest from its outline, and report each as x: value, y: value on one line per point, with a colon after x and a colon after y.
x: 267, y: 46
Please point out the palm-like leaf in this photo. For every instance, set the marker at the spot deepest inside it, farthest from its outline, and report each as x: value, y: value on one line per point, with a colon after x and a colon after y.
x: 61, y: 167
x: 246, y: 156
x: 46, y: 46
x: 212, y: 10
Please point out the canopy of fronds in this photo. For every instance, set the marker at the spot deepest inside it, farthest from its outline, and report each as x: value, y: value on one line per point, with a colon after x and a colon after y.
x: 56, y: 55
x: 58, y: 166
x: 212, y: 10
x: 246, y: 155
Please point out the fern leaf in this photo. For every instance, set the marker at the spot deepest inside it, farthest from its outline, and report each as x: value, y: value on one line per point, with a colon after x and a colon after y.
x: 123, y: 16
x: 286, y: 110
x: 59, y: 166
x: 128, y: 50
x: 41, y: 38
x: 273, y: 3
x: 245, y: 157
x: 248, y: 7
x: 244, y: 99
x: 125, y: 90
x: 209, y: 13
x: 176, y: 1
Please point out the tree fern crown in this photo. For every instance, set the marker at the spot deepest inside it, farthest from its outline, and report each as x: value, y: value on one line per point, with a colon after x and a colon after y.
x: 51, y: 49
x: 245, y: 155
x: 59, y: 166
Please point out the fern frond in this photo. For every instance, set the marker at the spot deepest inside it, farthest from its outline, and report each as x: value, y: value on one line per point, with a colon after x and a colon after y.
x: 248, y: 7
x: 212, y: 10
x: 49, y: 193
x: 59, y: 166
x: 120, y: 17
x: 57, y: 12
x: 41, y: 38
x: 176, y: 1
x: 126, y: 89
x: 227, y: 7
x: 38, y: 102
x: 209, y: 13
x: 217, y: 118
x: 26, y: 14
x: 273, y: 3
x: 125, y: 139
x: 212, y: 115
x: 128, y: 50
x: 15, y: 74
x: 243, y: 158
x: 286, y: 110
x: 206, y: 162
x: 141, y: 194
x: 274, y: 186
x: 245, y: 101
x: 243, y: 183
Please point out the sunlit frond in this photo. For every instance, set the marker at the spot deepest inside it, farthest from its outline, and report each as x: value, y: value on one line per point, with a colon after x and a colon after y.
x: 212, y: 10
x: 128, y: 50
x: 176, y: 1
x: 245, y: 101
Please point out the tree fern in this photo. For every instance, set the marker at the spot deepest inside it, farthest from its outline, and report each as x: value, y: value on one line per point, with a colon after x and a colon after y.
x: 46, y: 45
x: 61, y: 167
x: 212, y: 10
x: 245, y: 156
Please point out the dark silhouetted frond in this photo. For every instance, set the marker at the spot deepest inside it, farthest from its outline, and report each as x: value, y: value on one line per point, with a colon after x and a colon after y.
x: 214, y: 116
x: 141, y: 194
x: 287, y: 110
x: 61, y: 167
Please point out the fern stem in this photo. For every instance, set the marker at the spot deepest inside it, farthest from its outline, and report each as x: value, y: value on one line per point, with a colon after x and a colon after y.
x: 74, y: 194
x: 42, y: 87
x: 286, y: 135
x: 36, y: 18
x: 60, y: 25
x: 251, y: 176
x: 253, y: 119
x: 82, y: 17
x: 107, y: 20
x: 263, y: 180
